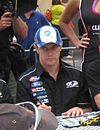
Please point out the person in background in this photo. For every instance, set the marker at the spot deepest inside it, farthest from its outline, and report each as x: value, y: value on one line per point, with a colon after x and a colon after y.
x: 56, y: 9
x: 53, y: 84
x: 8, y: 25
x: 34, y: 20
x: 90, y: 15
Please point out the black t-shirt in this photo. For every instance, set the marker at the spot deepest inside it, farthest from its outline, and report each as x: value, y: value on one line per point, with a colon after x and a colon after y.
x: 64, y: 93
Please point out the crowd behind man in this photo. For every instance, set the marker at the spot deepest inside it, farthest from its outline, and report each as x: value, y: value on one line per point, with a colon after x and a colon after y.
x: 9, y: 24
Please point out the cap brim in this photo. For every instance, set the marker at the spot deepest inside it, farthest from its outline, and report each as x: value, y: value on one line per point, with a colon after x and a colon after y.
x: 44, y: 44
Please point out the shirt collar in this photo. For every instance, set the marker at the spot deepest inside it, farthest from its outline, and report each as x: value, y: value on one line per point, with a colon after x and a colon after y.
x: 40, y: 70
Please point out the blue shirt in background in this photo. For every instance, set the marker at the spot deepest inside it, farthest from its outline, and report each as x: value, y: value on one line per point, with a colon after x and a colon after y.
x: 35, y: 21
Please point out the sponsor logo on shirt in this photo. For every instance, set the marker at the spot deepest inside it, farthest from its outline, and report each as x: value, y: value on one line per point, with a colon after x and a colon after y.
x: 39, y: 91
x: 96, y: 27
x: 38, y: 83
x: 43, y: 93
x: 34, y: 78
x: 72, y: 84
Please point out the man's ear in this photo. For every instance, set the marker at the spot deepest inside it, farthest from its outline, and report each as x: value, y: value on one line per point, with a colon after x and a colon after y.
x: 35, y: 46
x: 60, y: 48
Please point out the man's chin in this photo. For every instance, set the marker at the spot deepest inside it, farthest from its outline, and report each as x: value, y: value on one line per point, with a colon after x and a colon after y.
x: 50, y: 63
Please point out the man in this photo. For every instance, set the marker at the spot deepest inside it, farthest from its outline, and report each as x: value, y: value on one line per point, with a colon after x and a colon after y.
x: 34, y: 21
x: 52, y: 84
x: 8, y: 25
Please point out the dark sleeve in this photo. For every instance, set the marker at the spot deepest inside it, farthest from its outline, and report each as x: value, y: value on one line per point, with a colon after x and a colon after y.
x: 93, y: 77
x: 5, y: 95
x: 84, y: 100
x: 22, y: 93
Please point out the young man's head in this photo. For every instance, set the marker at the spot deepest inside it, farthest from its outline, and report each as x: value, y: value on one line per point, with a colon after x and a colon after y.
x: 48, y: 45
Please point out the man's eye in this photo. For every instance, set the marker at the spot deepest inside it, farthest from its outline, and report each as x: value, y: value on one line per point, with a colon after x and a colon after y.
x: 52, y: 47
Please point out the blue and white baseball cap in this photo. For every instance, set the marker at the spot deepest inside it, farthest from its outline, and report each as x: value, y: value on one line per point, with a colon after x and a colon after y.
x: 47, y: 34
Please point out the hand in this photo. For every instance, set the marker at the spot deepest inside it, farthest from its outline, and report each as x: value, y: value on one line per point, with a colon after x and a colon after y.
x: 44, y: 106
x: 84, y: 42
x: 5, y: 21
x: 73, y: 112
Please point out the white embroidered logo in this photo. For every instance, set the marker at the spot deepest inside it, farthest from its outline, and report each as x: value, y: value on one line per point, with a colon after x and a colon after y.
x: 1, y: 95
x: 72, y: 84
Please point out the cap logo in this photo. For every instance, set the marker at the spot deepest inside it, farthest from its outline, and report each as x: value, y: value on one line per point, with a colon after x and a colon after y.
x: 47, y: 33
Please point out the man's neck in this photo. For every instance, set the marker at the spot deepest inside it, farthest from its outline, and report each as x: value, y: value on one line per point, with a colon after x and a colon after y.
x: 53, y: 71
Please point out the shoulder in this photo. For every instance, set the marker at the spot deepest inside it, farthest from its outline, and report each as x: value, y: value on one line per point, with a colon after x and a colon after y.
x: 73, y: 3
x: 38, y: 13
x: 27, y: 73
x: 2, y: 81
x: 71, y: 69
x: 40, y: 16
x: 3, y: 84
x: 3, y: 87
x: 72, y: 73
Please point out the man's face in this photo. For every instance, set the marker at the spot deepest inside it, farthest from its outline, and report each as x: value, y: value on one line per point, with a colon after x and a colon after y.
x: 49, y: 54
